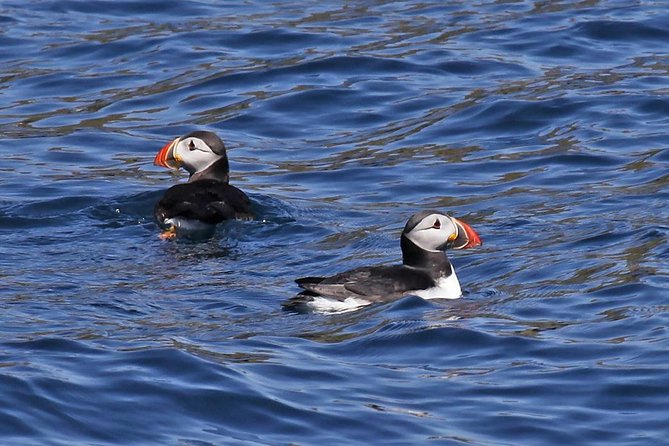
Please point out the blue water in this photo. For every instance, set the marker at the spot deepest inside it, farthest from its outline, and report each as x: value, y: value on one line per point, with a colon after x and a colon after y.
x: 544, y: 125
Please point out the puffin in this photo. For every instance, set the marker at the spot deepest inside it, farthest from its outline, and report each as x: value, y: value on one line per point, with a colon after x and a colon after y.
x: 207, y: 198
x: 425, y: 271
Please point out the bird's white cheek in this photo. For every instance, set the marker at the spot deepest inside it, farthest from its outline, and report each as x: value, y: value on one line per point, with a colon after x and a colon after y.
x: 199, y: 160
x: 425, y: 238
x: 179, y: 153
x: 431, y: 239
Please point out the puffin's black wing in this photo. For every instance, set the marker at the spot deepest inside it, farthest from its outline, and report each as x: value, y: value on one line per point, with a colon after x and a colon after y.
x: 376, y: 283
x: 208, y: 201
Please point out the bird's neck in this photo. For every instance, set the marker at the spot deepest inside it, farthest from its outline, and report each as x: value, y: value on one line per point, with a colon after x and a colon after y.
x: 218, y: 170
x: 435, y: 263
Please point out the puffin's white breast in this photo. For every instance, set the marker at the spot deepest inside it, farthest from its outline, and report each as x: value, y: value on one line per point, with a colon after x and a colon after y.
x: 445, y: 288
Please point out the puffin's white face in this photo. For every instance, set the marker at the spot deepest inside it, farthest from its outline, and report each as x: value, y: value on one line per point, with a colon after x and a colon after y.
x: 189, y: 151
x: 433, y: 232
x: 194, y: 153
x: 439, y: 232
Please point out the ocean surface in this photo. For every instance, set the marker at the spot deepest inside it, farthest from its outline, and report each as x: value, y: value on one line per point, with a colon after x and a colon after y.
x: 544, y: 125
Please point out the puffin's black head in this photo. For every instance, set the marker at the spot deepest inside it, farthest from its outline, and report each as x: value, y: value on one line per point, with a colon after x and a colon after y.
x: 196, y: 152
x: 435, y: 231
x: 210, y: 139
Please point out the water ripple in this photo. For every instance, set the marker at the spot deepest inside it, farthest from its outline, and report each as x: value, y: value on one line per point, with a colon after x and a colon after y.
x: 543, y: 125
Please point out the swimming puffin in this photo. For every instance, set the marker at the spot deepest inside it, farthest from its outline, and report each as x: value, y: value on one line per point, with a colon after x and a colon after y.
x: 425, y: 270
x: 207, y: 198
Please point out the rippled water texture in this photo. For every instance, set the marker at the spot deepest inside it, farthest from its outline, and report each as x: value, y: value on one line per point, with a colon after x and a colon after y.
x: 542, y: 124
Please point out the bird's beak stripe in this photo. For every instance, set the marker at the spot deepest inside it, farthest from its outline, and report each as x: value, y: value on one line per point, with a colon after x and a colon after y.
x: 167, y: 157
x: 470, y: 238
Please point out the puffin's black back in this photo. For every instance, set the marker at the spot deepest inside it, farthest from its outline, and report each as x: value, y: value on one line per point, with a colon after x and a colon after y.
x: 376, y: 283
x: 209, y: 201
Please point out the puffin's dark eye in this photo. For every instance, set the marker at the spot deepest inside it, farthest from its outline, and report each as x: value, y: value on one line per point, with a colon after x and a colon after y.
x: 191, y: 146
x: 437, y: 224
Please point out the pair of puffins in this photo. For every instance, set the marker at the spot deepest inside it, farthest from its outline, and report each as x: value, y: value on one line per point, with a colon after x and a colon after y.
x: 207, y: 199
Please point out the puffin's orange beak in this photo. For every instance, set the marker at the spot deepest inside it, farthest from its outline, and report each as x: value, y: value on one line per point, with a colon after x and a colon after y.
x: 167, y: 158
x: 467, y: 237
